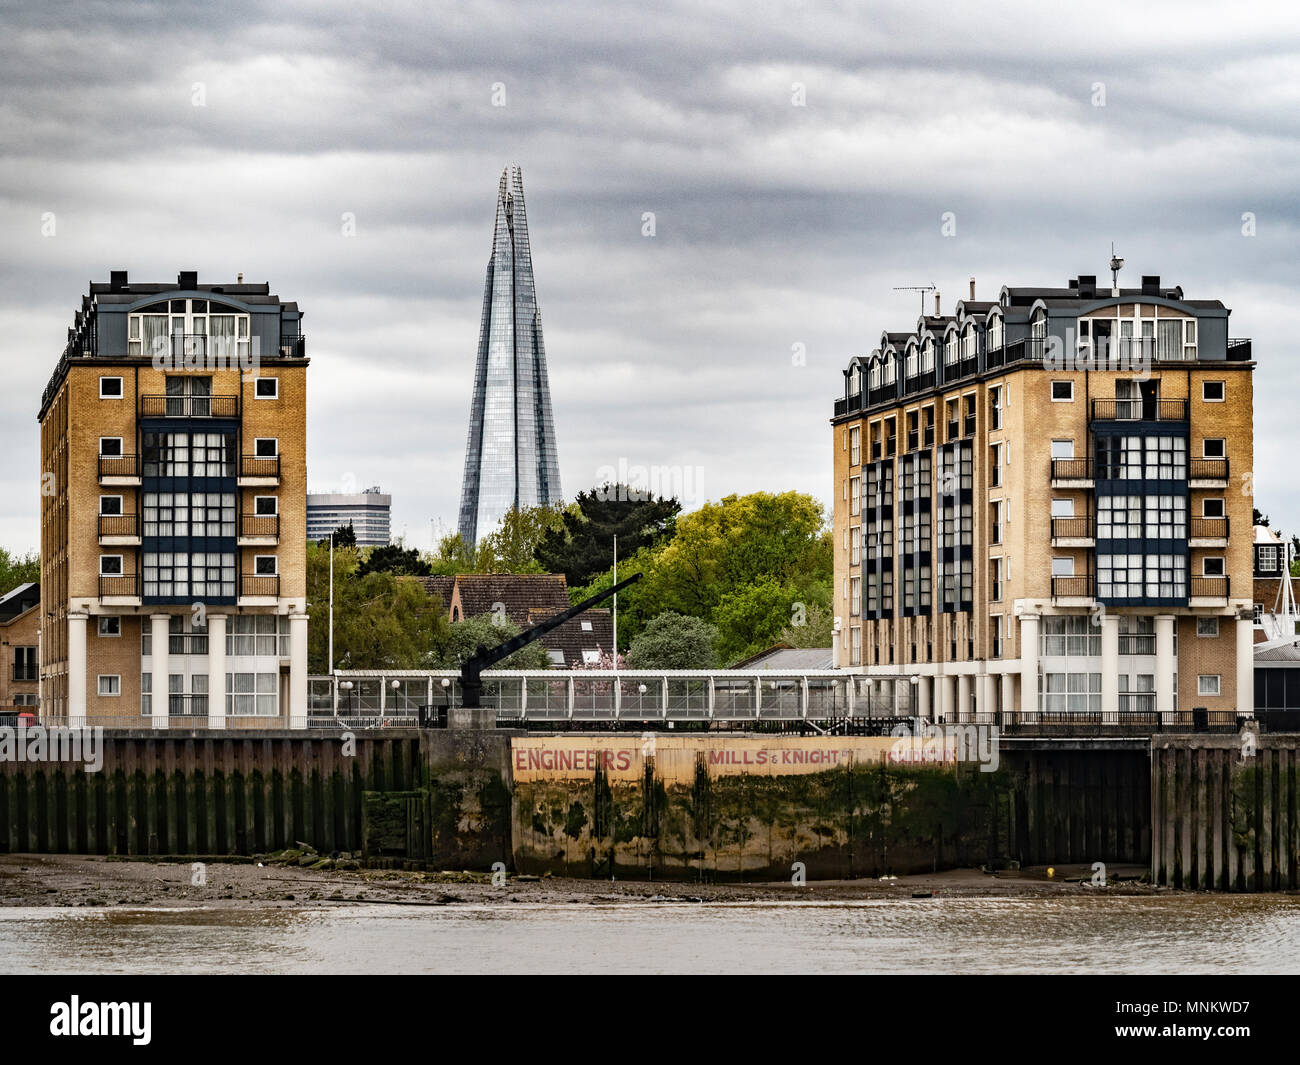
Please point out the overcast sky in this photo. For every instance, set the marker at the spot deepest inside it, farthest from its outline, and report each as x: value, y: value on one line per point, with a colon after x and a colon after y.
x: 235, y: 137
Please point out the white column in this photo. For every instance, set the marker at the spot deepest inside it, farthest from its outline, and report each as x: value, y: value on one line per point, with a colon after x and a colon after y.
x: 216, y: 671
x: 1008, y: 692
x: 160, y: 641
x: 923, y: 698
x: 1028, y: 662
x: 297, y: 670
x: 1109, y: 663
x: 963, y: 697
x: 77, y: 668
x: 984, y: 697
x: 1245, y: 667
x: 1165, y: 663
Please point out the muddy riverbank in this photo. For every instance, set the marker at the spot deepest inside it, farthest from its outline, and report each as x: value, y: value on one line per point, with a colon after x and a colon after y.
x: 70, y: 880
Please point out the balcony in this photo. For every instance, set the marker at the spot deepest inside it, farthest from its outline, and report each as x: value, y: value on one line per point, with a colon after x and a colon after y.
x: 119, y: 530
x: 968, y: 425
x: 1073, y: 532
x: 1239, y: 349
x: 1207, y: 473
x: 258, y: 471
x: 1208, y: 591
x: 258, y: 590
x: 1027, y: 349
x: 1073, y: 591
x: 1208, y: 532
x: 189, y: 406
x: 1139, y: 410
x: 1072, y: 473
x: 122, y: 589
x: 259, y: 530
x: 120, y: 471
x: 293, y: 347
x: 913, y: 439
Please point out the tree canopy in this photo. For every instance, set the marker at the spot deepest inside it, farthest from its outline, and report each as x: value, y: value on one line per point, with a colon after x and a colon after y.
x: 18, y: 569
x: 583, y: 545
x: 674, y: 641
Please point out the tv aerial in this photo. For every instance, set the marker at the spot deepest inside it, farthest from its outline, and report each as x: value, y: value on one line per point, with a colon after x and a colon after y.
x: 922, y: 289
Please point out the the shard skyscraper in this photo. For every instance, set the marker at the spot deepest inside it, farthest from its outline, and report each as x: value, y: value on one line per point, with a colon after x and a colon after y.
x: 510, y: 459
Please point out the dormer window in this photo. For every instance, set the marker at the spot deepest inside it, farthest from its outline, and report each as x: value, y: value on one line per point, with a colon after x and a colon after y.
x: 193, y: 328
x: 927, y: 356
x: 950, y: 349
x: 1038, y: 326
x: 995, y: 332
x: 968, y: 343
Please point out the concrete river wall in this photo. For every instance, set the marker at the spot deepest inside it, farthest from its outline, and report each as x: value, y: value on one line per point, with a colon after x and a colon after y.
x: 688, y: 806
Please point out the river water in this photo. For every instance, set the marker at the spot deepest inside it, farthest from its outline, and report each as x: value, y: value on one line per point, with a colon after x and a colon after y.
x: 1182, y: 934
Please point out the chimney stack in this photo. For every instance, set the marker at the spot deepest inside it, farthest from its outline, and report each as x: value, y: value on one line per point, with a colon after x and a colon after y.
x: 936, y: 303
x: 239, y: 279
x: 972, y: 290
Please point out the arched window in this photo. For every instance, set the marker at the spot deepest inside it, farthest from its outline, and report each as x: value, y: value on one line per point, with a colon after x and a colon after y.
x: 927, y: 355
x: 950, y: 349
x: 995, y: 332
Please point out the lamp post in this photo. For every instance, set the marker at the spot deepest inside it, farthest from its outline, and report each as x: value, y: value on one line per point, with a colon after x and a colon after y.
x: 347, y: 687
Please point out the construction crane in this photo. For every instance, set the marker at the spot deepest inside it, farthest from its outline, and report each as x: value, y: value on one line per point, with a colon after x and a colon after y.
x: 471, y: 681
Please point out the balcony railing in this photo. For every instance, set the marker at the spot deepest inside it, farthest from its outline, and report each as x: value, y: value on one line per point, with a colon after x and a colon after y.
x: 257, y: 585
x: 24, y: 673
x: 121, y: 585
x: 1072, y: 469
x: 913, y: 439
x: 1207, y: 469
x: 954, y: 429
x: 1063, y: 528
x: 1209, y: 528
x: 293, y: 347
x: 1137, y: 643
x: 928, y: 439
x: 119, y: 466
x: 968, y: 425
x: 119, y: 525
x: 259, y: 466
x: 1072, y: 587
x: 186, y: 704
x: 1210, y: 588
x: 1146, y: 410
x: 189, y: 406
x: 262, y: 526
x: 1027, y: 349
x: 1239, y: 349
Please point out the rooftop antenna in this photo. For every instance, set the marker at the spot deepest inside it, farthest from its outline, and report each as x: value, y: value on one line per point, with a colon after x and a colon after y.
x: 922, y: 289
x: 1116, y: 265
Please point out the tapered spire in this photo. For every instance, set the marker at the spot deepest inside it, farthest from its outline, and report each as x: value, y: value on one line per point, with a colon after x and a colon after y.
x: 510, y: 458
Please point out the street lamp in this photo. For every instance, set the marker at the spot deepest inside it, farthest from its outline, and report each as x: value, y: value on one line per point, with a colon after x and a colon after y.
x: 346, y: 686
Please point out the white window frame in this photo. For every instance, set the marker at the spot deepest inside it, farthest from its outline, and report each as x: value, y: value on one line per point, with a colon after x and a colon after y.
x: 121, y: 561
x: 118, y: 439
x: 1216, y: 440
x: 1063, y: 558
x: 1065, y: 399
x: 1223, y: 388
x: 275, y: 390
x: 1053, y: 449
x: 99, y: 685
x: 110, y: 513
x: 1223, y: 572
x: 275, y: 507
x: 275, y: 441
x: 1058, y: 507
x: 275, y: 572
x: 1222, y: 507
x: 121, y: 388
x: 109, y: 635
x: 1212, y: 624
x: 1201, y: 685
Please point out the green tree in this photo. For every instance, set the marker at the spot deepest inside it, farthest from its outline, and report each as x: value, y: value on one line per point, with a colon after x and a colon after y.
x: 395, y: 559
x: 751, y: 618
x: 817, y: 629
x: 464, y: 637
x: 451, y: 556
x: 583, y: 546
x: 380, y: 622
x: 674, y: 641
x: 18, y: 569
x: 510, y: 547
x: 344, y: 536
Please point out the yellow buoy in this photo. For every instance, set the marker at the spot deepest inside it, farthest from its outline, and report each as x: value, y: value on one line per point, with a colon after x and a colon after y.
x: 1050, y: 872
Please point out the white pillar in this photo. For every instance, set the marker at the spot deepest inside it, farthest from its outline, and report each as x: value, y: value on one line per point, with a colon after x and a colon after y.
x: 963, y: 697
x: 77, y: 668
x: 1165, y: 663
x: 216, y: 671
x: 1109, y: 663
x: 1028, y: 662
x: 160, y: 641
x: 297, y: 670
x: 1245, y: 667
x: 985, y: 698
x: 1008, y: 692
x: 923, y: 698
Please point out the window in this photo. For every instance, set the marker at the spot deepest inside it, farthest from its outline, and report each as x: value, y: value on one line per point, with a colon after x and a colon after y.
x: 109, y: 684
x: 556, y: 658
x: 1166, y: 458
x: 1212, y: 508
x: 1062, y: 391
x: 1137, y: 635
x: 110, y: 565
x: 995, y: 465
x: 855, y: 446
x: 25, y: 666
x: 1119, y: 517
x: 1213, y: 566
x: 264, y: 635
x: 855, y: 596
x: 264, y: 565
x: 1212, y: 391
x: 855, y: 545
x: 266, y: 388
x: 586, y: 626
x: 1214, y: 448
x: 110, y: 388
x: 265, y: 505
x: 1166, y: 517
x: 995, y: 407
x: 251, y: 695
x: 1207, y: 626
x: 1062, y: 566
x: 110, y: 446
x: 995, y: 527
x: 110, y: 626
x: 1080, y: 692
x: 1207, y: 684
x: 110, y: 505
x: 995, y: 580
x: 591, y: 658
x: 1062, y: 449
x: 855, y: 495
x: 175, y: 574
x: 266, y: 447
x: 1063, y: 508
